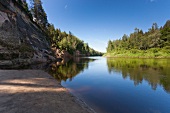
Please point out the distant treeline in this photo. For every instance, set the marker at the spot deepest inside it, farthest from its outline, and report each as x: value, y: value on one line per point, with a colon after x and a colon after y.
x: 153, y: 43
x: 69, y: 42
x: 58, y: 39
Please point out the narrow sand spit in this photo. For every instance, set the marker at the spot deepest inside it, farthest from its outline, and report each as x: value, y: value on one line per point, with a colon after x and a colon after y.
x: 34, y: 91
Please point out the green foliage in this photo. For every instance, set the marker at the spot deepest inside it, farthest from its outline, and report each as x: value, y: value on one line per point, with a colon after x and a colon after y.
x: 24, y: 7
x: 150, y: 43
x: 58, y: 39
x: 39, y: 15
x: 69, y: 42
x: 135, y: 53
x: 165, y: 37
x: 25, y: 48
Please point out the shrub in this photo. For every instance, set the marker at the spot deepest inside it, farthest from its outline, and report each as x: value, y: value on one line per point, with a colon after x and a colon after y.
x: 25, y: 48
x: 154, y: 50
x: 167, y: 47
x: 133, y: 51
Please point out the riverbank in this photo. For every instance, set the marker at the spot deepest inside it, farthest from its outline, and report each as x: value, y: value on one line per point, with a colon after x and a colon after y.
x: 35, y: 91
x: 135, y: 53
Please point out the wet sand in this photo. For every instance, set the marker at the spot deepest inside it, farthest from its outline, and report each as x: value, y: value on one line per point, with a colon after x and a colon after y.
x: 35, y: 91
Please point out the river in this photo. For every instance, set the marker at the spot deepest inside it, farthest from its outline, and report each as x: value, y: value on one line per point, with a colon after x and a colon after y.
x: 118, y: 85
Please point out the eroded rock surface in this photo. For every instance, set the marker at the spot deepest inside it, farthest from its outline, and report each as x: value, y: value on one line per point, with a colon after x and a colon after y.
x: 20, y: 37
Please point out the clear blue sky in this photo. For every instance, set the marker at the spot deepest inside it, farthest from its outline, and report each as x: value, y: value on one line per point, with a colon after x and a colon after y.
x: 97, y: 21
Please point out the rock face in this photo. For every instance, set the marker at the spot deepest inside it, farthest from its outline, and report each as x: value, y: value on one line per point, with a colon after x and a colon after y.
x: 61, y: 54
x: 21, y: 40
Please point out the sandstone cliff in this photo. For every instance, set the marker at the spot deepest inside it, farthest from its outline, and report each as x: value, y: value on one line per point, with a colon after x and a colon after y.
x: 22, y: 42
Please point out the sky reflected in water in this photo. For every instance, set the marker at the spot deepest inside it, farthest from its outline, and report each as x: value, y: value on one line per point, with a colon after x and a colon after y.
x: 120, y: 85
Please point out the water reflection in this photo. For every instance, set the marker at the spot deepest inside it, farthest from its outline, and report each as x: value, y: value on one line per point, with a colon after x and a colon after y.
x: 67, y: 70
x: 118, y: 85
x: 154, y: 71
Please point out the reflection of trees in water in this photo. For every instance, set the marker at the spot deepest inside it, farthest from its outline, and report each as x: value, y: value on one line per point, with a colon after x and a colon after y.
x: 65, y: 70
x: 154, y: 71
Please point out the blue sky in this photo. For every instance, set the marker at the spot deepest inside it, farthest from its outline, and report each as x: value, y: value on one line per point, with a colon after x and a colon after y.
x: 97, y: 21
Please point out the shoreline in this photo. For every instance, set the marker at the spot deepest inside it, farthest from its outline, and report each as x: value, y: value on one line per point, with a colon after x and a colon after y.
x: 35, y: 91
x: 140, y: 57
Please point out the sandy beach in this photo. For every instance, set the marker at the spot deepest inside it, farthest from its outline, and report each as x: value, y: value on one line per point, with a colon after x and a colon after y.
x: 35, y: 91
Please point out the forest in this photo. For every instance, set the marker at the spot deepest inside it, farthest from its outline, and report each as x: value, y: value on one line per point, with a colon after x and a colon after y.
x: 57, y: 38
x: 153, y: 43
x: 69, y: 42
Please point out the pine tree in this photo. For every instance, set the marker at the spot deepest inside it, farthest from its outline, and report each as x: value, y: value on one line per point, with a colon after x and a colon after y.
x: 38, y: 13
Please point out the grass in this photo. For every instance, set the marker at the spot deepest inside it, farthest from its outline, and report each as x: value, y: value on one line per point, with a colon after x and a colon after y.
x: 135, y: 53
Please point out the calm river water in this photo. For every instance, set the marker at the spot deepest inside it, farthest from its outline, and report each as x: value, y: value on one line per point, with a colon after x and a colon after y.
x: 118, y: 85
